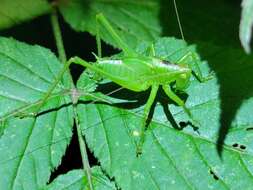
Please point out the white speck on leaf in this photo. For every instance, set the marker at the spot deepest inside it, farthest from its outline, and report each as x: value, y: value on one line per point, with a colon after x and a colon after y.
x: 13, y: 136
x: 135, y: 174
x: 136, y: 133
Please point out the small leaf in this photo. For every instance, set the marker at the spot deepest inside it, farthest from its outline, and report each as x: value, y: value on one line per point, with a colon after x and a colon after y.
x: 246, y: 24
x: 31, y: 147
x: 16, y: 11
x: 76, y: 179
x: 135, y: 20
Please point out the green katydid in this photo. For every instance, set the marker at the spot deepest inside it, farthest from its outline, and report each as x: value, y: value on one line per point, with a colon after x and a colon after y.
x: 138, y: 73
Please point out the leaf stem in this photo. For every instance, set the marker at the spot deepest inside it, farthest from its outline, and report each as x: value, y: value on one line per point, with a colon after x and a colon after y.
x: 82, y: 146
x: 58, y: 36
x: 63, y: 59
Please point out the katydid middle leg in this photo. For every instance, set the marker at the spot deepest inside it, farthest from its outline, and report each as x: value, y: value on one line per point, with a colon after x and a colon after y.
x: 147, y: 108
x: 151, y: 99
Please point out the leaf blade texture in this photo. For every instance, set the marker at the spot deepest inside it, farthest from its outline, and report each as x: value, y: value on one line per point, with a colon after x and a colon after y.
x: 31, y: 147
x: 134, y: 20
x: 18, y: 11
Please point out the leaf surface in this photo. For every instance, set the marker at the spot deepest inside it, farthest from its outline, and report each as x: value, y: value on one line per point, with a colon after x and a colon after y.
x: 16, y: 11
x: 134, y: 20
x: 31, y: 147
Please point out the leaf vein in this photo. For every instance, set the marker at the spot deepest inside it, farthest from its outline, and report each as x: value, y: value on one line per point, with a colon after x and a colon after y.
x: 205, y: 161
x: 163, y: 151
x: 147, y: 28
x: 23, y: 66
x: 13, y: 98
x: 21, y: 83
x: 245, y: 167
x: 106, y: 137
x: 17, y: 170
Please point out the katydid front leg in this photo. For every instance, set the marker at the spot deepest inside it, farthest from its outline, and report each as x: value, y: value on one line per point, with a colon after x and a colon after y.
x: 198, y: 73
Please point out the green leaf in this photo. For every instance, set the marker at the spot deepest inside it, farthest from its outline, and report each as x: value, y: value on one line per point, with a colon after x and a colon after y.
x: 17, y: 11
x: 179, y: 159
x: 31, y: 147
x: 135, y: 20
x: 76, y: 179
x: 246, y: 24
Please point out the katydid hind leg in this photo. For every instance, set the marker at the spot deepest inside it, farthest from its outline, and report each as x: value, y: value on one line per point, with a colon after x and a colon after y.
x: 120, y: 43
x: 151, y: 50
x: 77, y: 60
x: 49, y: 92
x: 147, y: 108
x: 180, y: 102
x: 98, y: 40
